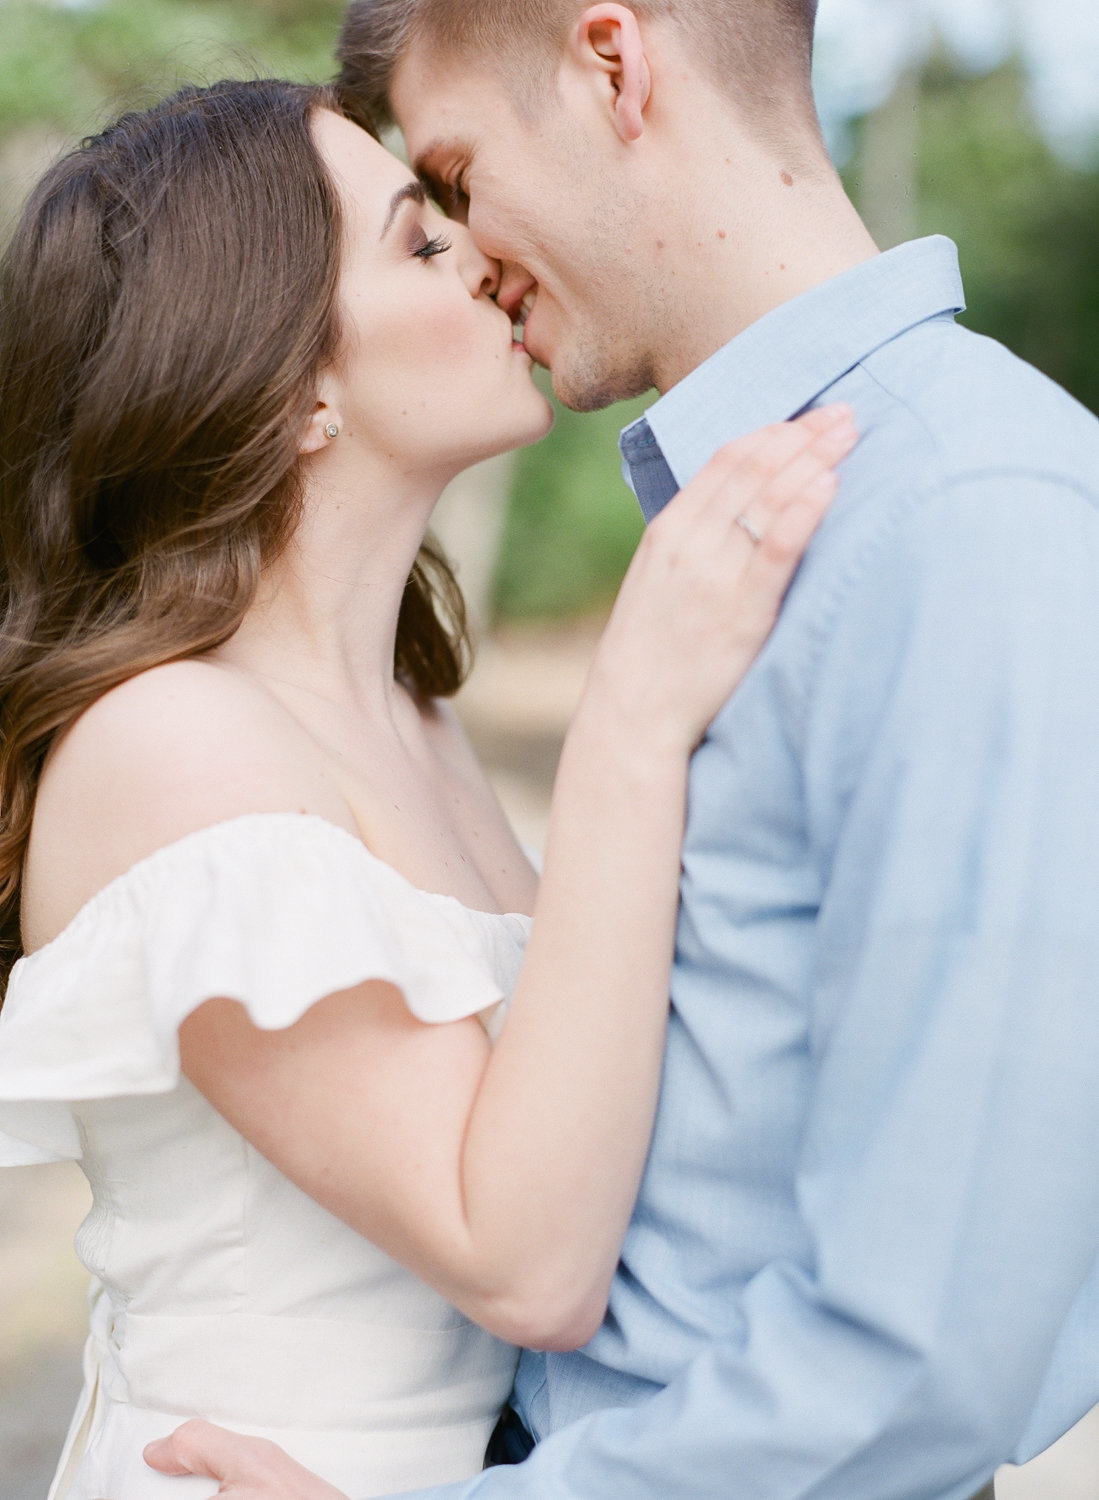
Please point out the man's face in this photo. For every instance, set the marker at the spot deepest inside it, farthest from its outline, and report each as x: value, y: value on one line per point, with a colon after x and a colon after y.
x: 547, y: 198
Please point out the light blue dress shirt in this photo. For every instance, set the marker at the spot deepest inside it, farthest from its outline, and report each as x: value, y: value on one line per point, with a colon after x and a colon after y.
x: 864, y: 1263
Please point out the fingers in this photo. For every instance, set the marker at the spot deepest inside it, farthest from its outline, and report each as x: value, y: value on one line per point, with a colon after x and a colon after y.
x: 771, y: 448
x: 752, y: 482
x: 770, y: 568
x: 792, y: 530
x: 707, y: 581
x: 821, y: 418
x: 753, y: 463
x: 729, y: 515
x: 243, y: 1466
x: 200, y: 1448
x: 789, y: 506
x: 804, y: 470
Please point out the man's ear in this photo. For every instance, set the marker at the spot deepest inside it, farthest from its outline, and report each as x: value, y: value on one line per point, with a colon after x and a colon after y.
x: 608, y: 40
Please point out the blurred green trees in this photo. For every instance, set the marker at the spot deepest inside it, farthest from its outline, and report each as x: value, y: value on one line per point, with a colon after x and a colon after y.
x: 960, y: 154
x: 1026, y: 222
x: 572, y: 524
x: 71, y: 67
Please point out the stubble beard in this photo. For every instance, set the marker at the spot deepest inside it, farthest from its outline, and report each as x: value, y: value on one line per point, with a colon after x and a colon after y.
x: 589, y: 379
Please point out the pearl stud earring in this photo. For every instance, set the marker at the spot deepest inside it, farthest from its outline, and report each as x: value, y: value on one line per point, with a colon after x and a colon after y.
x: 331, y: 431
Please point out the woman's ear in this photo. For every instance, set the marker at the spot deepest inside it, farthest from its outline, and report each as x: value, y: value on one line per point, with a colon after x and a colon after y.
x: 608, y: 40
x: 322, y: 430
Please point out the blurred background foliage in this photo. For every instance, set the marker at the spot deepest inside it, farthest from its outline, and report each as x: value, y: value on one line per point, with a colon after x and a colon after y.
x: 950, y: 150
x: 958, y: 154
x: 72, y: 67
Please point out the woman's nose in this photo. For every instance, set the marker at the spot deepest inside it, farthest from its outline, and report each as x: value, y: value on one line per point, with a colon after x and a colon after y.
x: 483, y: 274
x: 491, y: 272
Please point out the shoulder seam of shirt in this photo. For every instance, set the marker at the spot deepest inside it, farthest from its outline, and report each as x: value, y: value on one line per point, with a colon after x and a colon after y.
x: 859, y: 565
x: 968, y: 476
x: 895, y: 517
x: 894, y: 520
x: 1050, y: 477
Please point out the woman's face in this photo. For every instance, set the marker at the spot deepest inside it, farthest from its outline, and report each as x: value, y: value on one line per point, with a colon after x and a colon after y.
x: 429, y: 375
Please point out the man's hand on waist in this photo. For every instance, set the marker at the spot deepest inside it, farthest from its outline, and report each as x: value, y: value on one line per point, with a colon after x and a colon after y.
x: 246, y: 1468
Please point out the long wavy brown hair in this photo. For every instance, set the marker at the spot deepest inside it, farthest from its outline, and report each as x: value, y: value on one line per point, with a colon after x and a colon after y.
x: 167, y: 303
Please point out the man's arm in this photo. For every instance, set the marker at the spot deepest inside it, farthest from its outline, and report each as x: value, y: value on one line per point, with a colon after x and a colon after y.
x: 247, y: 1468
x: 947, y: 1179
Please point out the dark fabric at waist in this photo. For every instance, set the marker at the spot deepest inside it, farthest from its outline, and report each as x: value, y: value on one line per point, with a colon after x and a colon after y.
x: 510, y: 1442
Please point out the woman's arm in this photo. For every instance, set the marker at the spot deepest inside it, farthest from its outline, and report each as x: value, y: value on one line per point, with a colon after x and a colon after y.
x: 506, y: 1178
x: 683, y: 633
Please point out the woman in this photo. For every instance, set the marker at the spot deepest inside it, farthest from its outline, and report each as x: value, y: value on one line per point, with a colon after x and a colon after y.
x: 259, y: 906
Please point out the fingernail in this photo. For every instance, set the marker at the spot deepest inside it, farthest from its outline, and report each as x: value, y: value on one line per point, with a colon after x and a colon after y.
x: 837, y: 411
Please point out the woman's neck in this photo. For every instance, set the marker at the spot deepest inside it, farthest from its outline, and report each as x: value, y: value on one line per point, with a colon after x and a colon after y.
x: 324, y: 620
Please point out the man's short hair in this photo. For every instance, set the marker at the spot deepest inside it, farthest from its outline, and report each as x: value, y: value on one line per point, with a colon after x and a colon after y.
x: 757, y: 51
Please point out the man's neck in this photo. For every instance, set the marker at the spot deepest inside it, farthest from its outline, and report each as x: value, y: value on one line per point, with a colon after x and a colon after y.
x: 753, y: 236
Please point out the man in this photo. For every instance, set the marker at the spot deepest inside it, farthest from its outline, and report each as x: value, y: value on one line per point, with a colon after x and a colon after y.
x: 863, y: 1265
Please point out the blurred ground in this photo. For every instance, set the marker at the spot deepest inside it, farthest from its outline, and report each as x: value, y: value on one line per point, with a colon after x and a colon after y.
x: 42, y: 1318
x: 515, y: 707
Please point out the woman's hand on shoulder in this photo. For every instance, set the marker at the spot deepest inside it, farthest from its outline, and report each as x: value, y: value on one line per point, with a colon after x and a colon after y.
x: 173, y: 750
x: 705, y: 587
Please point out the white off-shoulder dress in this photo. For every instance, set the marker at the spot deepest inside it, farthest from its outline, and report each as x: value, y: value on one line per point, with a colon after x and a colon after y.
x: 218, y: 1288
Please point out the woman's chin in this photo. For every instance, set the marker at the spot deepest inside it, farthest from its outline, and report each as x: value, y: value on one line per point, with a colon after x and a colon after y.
x: 545, y: 425
x: 545, y: 415
x: 528, y: 428
x: 524, y: 434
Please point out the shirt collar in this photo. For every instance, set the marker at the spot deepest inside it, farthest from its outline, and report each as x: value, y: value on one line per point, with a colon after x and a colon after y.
x: 785, y: 361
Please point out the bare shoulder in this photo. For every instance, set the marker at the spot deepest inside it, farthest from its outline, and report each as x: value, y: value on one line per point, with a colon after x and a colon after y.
x: 172, y: 750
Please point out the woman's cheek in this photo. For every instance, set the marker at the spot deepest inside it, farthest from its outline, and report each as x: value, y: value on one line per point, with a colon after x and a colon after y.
x: 461, y: 333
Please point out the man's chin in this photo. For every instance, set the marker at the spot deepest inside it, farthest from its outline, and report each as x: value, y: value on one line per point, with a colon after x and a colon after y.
x: 585, y: 387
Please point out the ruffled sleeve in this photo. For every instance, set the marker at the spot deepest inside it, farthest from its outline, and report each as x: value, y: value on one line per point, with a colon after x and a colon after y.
x: 273, y: 910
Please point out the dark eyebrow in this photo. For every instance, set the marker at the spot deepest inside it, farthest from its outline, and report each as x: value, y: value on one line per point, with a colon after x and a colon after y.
x: 412, y: 192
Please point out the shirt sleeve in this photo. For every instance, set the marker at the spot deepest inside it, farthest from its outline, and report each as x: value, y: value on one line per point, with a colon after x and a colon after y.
x: 947, y: 1179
